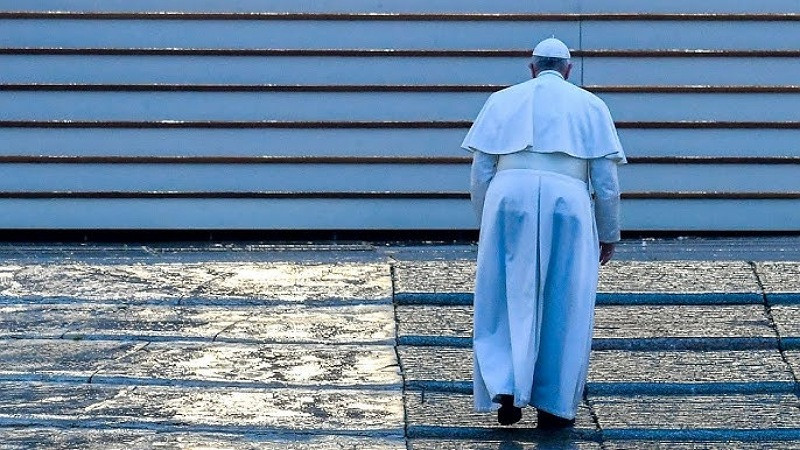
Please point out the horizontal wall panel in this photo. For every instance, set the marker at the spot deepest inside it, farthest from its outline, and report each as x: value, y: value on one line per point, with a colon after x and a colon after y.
x: 718, y: 215
x: 234, y: 177
x: 719, y: 107
x: 238, y: 106
x: 711, y: 142
x: 710, y: 177
x: 277, y: 214
x: 365, y: 177
x: 411, y: 106
x: 365, y: 142
x: 232, y: 142
x: 690, y: 70
x: 296, y: 5
x: 738, y: 35
x: 250, y: 34
x: 237, y: 214
x: 316, y: 177
x: 264, y: 70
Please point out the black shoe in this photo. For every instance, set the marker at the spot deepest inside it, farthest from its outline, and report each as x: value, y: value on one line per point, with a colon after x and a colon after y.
x: 547, y: 421
x: 508, y: 414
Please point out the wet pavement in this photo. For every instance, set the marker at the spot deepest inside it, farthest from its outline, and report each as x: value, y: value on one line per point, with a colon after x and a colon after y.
x: 360, y: 346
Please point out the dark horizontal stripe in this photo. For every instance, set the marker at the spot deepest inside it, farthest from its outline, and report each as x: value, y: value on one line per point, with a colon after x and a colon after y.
x: 784, y: 298
x: 369, y: 88
x: 429, y: 124
x: 603, y: 298
x: 694, y: 435
x: 450, y: 17
x: 569, y: 438
x: 709, y: 388
x: 696, y: 89
x: 711, y: 195
x: 376, y: 195
x: 277, y: 124
x: 710, y: 124
x: 92, y: 195
x: 23, y: 159
x: 247, y: 88
x: 761, y: 160
x: 627, y: 389
x: 521, y: 53
x: 495, y: 437
x: 624, y: 344
x: 790, y: 343
x: 134, y: 421
x: 75, y: 159
x: 123, y: 380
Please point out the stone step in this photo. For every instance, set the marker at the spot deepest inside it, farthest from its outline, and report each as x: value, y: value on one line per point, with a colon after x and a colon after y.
x: 741, y: 412
x: 365, y: 323
x: 171, y: 283
x: 203, y: 410
x: 19, y: 438
x: 442, y: 368
x: 434, y: 413
x: 618, y: 277
x: 209, y: 364
x: 618, y: 322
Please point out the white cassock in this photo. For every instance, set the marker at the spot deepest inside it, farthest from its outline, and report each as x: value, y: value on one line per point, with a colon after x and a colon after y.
x: 538, y: 251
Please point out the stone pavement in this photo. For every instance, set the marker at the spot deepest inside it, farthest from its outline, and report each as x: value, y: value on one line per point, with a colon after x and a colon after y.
x: 358, y: 346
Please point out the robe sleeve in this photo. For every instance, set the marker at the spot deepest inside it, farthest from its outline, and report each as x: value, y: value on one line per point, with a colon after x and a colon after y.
x: 484, y: 167
x: 603, y: 175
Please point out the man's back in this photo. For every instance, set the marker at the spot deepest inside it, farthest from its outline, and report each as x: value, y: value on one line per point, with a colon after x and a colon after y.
x: 546, y: 114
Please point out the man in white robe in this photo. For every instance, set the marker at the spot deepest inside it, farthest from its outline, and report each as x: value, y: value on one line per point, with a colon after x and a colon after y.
x: 540, y: 148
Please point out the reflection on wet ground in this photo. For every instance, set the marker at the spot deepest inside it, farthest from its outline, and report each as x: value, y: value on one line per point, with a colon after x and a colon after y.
x: 361, y: 347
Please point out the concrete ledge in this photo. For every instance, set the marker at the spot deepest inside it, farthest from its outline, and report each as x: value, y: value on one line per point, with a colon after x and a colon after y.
x: 703, y: 435
x: 633, y: 389
x: 784, y: 298
x: 486, y: 433
x: 633, y: 344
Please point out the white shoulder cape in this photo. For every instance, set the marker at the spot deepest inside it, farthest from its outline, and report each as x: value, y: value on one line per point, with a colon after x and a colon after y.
x: 545, y: 115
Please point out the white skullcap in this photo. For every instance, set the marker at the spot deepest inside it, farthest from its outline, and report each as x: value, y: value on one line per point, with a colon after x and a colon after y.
x: 551, y: 48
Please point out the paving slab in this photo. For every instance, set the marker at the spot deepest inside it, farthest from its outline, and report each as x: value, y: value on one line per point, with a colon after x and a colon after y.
x: 279, y: 364
x: 299, y: 282
x: 455, y: 364
x: 121, y: 282
x: 787, y: 320
x: 426, y: 320
x: 678, y: 276
x: 689, y: 367
x: 120, y: 439
x: 793, y: 358
x: 206, y: 409
x: 457, y: 276
x: 612, y: 322
x: 510, y: 444
x: 698, y: 412
x: 59, y: 358
x: 324, y: 324
x: 82, y: 320
x: 282, y: 281
x: 447, y: 410
x: 268, y: 324
x: 779, y: 276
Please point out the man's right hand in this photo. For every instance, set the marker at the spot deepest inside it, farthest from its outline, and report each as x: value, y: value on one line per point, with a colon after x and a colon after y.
x: 606, y: 252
